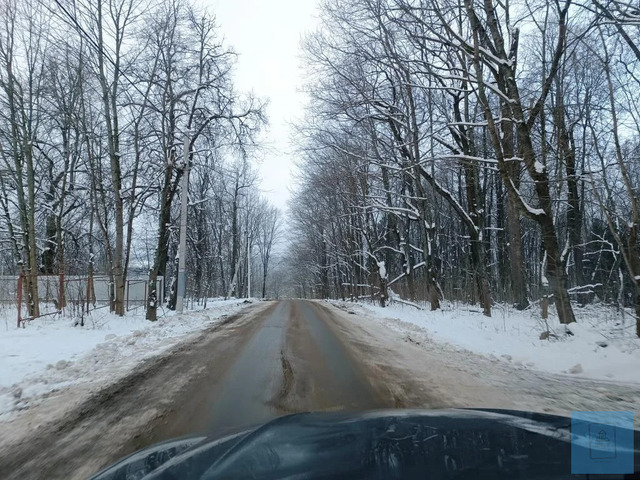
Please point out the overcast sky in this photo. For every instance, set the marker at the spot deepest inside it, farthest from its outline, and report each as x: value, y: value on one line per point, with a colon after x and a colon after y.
x: 266, y: 34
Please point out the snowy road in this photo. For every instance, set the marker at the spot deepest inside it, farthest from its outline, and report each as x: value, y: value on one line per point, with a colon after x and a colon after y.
x: 286, y: 360
x: 279, y: 358
x: 272, y: 359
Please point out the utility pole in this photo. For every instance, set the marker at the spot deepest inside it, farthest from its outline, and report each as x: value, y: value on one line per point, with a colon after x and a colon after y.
x: 182, y: 249
x: 248, y: 265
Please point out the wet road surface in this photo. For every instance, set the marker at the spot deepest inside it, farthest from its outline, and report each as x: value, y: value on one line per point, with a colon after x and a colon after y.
x: 272, y: 359
x: 291, y: 360
x: 243, y: 393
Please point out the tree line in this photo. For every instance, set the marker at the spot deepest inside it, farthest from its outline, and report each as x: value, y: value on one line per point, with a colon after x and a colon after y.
x: 103, y: 105
x: 476, y: 150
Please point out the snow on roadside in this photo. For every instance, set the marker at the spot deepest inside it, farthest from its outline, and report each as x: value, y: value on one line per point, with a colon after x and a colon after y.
x: 51, y: 353
x: 601, y: 345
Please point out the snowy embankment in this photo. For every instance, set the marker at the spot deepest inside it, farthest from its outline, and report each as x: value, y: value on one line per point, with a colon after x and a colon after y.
x: 50, y: 353
x: 601, y: 345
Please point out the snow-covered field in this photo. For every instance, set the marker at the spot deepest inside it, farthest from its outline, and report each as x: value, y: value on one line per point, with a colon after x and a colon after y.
x: 602, y: 344
x: 51, y: 353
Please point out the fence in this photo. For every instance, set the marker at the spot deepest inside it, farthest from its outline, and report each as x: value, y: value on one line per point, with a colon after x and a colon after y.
x: 69, y: 295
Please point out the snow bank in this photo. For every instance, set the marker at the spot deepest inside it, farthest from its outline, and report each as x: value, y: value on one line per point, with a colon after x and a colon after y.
x: 601, y: 345
x: 51, y: 353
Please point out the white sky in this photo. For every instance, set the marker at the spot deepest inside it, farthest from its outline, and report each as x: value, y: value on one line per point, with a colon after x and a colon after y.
x: 266, y: 34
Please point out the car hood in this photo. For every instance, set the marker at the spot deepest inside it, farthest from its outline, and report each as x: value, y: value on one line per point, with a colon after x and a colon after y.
x: 387, y: 444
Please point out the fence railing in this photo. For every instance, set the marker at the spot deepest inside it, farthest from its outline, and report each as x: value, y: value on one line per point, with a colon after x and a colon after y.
x: 69, y: 295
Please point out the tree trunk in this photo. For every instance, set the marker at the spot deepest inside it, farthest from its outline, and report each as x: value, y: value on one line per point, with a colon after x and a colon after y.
x: 478, y: 260
x: 264, y: 282
x: 34, y: 300
x: 49, y: 254
x: 433, y: 290
x: 408, y: 261
x: 235, y: 247
x: 384, y: 292
x: 159, y: 267
x: 637, y: 309
x: 574, y: 213
x: 556, y: 275
x: 110, y: 111
x: 324, y: 273
x: 518, y: 284
x: 91, y: 295
x: 633, y: 256
x: 505, y: 76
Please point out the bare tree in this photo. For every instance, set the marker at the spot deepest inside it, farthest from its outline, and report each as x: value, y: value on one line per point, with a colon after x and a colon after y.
x: 23, y: 45
x: 269, y: 227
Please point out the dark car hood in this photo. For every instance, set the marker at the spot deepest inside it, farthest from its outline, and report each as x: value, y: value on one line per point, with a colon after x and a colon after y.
x: 453, y: 443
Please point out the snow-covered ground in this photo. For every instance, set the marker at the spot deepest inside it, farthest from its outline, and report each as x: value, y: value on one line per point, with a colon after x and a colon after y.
x: 601, y: 345
x: 50, y: 353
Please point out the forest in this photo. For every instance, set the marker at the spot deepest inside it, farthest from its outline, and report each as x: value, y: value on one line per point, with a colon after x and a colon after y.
x: 480, y: 151
x: 105, y: 105
x: 483, y: 151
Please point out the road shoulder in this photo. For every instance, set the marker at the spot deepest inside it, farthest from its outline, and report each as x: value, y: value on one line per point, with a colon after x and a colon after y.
x: 92, y: 429
x: 435, y: 374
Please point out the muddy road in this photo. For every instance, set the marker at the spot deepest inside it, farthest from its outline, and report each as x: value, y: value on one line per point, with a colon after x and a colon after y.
x: 285, y: 359
x: 270, y: 360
